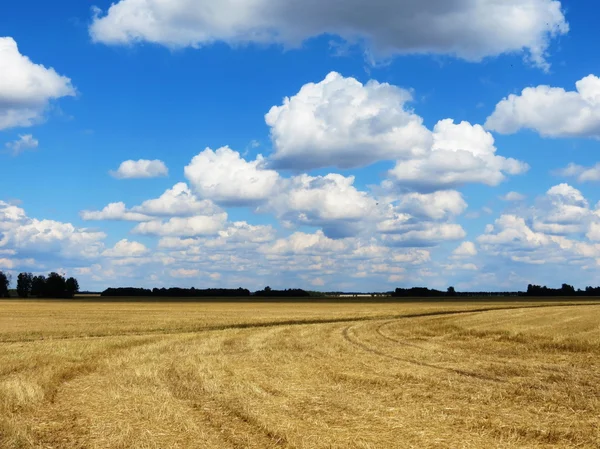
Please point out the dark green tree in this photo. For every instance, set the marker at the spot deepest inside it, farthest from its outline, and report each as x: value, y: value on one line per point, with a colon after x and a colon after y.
x: 24, y: 284
x: 451, y: 292
x: 38, y: 286
x: 4, y: 283
x: 56, y: 286
x: 72, y: 287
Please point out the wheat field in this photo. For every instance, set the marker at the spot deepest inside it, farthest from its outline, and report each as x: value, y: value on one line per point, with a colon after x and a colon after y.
x: 299, y: 375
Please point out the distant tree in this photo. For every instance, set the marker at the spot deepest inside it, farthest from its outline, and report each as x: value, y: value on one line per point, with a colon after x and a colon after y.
x: 72, y: 287
x: 38, y: 286
x: 451, y: 291
x: 24, y: 284
x: 267, y: 288
x: 56, y: 286
x: 567, y: 290
x: 4, y: 283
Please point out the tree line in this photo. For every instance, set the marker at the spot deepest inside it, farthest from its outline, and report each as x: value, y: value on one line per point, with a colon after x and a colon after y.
x: 57, y: 286
x: 53, y: 286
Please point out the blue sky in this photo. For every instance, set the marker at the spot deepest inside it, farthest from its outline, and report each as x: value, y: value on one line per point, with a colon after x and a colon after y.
x: 407, y: 124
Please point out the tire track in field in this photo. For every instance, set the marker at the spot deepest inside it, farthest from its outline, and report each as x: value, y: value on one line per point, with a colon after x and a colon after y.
x: 295, y: 322
x: 349, y: 336
x: 395, y: 340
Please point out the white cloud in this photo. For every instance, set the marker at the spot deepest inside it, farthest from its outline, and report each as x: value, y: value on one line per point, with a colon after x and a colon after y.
x: 114, y: 211
x: 302, y: 243
x: 511, y: 237
x: 183, y: 227
x: 343, y: 123
x: 24, y: 142
x: 330, y: 201
x: 26, y: 88
x: 140, y: 169
x: 125, y: 248
x: 465, y: 249
x: 436, y: 205
x: 177, y: 201
x: 429, y: 234
x: 28, y: 237
x: 580, y: 173
x: 225, y: 177
x: 461, y: 266
x: 469, y: 30
x: 184, y: 273
x: 563, y: 210
x: 461, y: 153
x: 513, y: 197
x: 551, y: 111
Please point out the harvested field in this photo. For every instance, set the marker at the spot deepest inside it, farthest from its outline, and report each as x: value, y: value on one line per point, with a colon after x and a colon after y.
x: 301, y: 375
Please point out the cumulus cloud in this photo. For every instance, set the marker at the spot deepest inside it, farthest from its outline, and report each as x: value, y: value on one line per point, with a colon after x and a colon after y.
x: 513, y: 197
x: 461, y: 153
x: 29, y: 237
x: 140, y: 169
x: 177, y: 201
x: 560, y: 228
x: 114, y: 211
x: 303, y: 243
x: 184, y: 273
x: 563, y: 210
x: 226, y: 178
x: 330, y: 201
x: 125, y: 248
x: 26, y: 88
x: 428, y: 234
x: 581, y: 173
x: 343, y: 123
x: 183, y: 227
x: 465, y: 249
x: 469, y: 30
x: 437, y: 205
x: 23, y: 143
x: 461, y: 267
x: 512, y: 238
x: 551, y: 111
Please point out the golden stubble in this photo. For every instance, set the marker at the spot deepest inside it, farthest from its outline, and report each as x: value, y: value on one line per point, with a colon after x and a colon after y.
x: 260, y: 375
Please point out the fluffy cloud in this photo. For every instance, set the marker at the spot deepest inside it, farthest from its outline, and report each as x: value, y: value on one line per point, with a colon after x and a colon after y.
x: 140, y: 169
x: 27, y: 237
x: 125, y: 248
x: 580, y: 173
x: 512, y: 238
x: 226, y: 178
x: 560, y: 230
x: 461, y: 153
x: 114, y: 211
x: 302, y: 243
x: 329, y: 201
x: 513, y: 197
x: 551, y: 111
x: 469, y: 30
x: 341, y: 122
x: 177, y: 201
x: 465, y: 249
x: 436, y: 206
x: 563, y: 210
x: 183, y: 227
x: 26, y: 88
x: 429, y: 234
x: 24, y: 142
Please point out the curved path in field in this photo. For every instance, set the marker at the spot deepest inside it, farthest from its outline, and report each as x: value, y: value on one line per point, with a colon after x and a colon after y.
x: 488, y: 376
